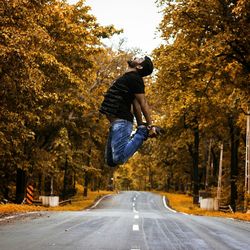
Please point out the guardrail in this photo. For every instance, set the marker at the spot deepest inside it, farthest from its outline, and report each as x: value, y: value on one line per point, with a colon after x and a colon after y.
x: 226, y: 209
x: 69, y: 201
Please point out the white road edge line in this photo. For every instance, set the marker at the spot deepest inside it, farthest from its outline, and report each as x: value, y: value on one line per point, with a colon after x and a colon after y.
x: 99, y: 201
x: 18, y: 215
x: 172, y: 210
x: 11, y: 217
x: 166, y: 206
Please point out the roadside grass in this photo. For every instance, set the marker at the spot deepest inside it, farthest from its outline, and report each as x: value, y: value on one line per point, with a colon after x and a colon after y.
x: 78, y: 203
x: 184, y: 203
x: 18, y: 208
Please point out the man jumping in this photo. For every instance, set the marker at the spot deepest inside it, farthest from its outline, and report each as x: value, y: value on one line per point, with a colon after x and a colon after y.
x: 123, y: 101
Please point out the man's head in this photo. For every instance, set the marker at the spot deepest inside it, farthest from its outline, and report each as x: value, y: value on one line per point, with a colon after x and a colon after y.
x: 144, y: 66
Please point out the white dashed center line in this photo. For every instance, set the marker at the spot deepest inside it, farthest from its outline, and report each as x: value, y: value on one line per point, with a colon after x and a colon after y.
x: 135, y: 227
x: 136, y: 216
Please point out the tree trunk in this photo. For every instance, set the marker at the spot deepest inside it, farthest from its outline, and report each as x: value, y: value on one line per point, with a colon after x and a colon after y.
x: 234, y: 137
x: 41, y: 184
x: 86, y: 175
x: 74, y: 181
x: 20, y: 185
x: 194, y: 152
x: 66, y: 180
x: 215, y: 163
x: 86, y: 183
x: 196, y: 166
x: 6, y: 192
x: 150, y: 178
x: 5, y: 188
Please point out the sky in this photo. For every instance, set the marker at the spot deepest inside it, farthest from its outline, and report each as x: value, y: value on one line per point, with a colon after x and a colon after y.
x: 138, y: 18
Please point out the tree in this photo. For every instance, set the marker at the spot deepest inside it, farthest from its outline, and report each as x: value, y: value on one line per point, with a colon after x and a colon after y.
x: 46, y: 64
x: 203, y: 42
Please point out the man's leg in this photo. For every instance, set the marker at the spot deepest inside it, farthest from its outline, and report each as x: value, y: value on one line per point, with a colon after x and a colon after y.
x: 123, y: 146
x: 108, y: 151
x: 135, y: 142
x: 121, y: 132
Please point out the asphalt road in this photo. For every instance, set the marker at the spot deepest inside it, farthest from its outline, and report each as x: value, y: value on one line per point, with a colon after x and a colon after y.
x: 129, y: 220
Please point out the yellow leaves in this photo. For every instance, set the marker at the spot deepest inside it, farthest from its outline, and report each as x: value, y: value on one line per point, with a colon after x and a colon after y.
x: 233, y: 69
x: 17, y: 3
x: 48, y: 61
x: 184, y: 203
x: 14, y: 208
x: 203, y: 74
x: 78, y: 203
x: 240, y: 8
x: 62, y: 141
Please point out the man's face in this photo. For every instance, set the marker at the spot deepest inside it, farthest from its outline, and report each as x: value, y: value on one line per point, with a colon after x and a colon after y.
x: 135, y: 62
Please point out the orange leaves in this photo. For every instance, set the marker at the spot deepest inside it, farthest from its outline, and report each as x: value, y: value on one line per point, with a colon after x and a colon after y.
x: 204, y: 50
x: 202, y: 77
x: 241, y: 7
x: 47, y: 66
x: 233, y: 69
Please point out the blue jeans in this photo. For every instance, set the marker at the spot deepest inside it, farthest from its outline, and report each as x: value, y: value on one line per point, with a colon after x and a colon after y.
x: 120, y: 144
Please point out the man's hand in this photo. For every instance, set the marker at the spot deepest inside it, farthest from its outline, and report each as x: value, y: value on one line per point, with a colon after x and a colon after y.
x: 154, y: 131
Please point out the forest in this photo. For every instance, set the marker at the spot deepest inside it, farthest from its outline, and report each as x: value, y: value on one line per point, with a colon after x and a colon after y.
x: 55, y: 68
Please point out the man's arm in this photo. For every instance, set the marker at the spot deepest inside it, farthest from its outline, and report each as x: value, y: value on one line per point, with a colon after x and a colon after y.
x: 144, y: 107
x: 137, y: 112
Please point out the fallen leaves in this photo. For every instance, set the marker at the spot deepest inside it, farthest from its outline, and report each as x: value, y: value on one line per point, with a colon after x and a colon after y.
x: 184, y: 203
x: 78, y: 203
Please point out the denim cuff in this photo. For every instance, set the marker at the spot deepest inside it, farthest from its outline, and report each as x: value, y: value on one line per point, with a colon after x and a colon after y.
x: 143, y: 130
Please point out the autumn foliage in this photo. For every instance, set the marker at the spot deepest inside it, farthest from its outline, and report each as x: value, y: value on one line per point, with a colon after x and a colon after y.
x: 49, y: 116
x: 54, y: 70
x: 201, y: 96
